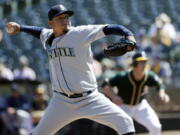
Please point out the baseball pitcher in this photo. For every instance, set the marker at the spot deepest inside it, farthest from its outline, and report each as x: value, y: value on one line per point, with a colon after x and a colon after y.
x: 74, y: 85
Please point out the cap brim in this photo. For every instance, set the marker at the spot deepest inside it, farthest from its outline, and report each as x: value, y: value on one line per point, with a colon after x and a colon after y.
x: 142, y: 59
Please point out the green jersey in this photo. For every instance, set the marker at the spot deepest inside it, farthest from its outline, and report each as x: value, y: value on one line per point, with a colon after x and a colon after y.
x: 131, y: 90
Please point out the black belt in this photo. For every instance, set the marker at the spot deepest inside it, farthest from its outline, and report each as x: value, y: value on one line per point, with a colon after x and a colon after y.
x: 76, y: 95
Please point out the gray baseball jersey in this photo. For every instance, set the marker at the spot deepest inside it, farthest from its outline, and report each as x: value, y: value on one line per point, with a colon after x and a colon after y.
x: 71, y: 71
x: 70, y: 58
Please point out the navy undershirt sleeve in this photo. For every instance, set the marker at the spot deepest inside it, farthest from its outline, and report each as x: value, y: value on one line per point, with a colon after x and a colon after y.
x: 33, y: 30
x: 114, y: 29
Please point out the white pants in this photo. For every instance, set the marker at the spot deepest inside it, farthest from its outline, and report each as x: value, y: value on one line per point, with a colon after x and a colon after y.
x: 62, y: 110
x: 145, y: 115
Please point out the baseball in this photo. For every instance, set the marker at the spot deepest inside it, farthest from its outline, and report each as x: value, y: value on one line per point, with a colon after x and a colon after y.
x: 10, y: 29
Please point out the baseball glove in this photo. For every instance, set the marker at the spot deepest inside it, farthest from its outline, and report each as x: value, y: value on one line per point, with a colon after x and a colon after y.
x: 120, y: 48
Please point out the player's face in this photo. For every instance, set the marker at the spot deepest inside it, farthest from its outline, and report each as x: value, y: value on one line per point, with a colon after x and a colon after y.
x: 60, y: 23
x: 141, y: 65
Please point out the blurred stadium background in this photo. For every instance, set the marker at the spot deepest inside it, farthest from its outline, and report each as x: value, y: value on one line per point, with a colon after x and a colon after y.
x: 137, y: 15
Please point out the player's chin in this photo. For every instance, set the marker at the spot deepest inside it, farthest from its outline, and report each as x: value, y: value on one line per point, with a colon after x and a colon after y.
x: 66, y: 28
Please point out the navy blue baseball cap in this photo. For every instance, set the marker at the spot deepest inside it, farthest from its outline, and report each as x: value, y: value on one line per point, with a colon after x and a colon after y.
x: 58, y: 10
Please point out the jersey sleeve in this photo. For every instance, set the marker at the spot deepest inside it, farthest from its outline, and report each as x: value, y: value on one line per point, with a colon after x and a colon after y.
x: 45, y: 33
x: 33, y: 30
x: 154, y: 80
x: 114, y: 29
x: 113, y: 80
x: 90, y: 33
x: 117, y: 79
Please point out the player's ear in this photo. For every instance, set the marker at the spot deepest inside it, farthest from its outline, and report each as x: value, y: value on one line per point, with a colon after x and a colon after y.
x: 50, y: 23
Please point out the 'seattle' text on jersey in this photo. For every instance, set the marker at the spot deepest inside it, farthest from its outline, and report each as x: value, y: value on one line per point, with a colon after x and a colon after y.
x: 58, y: 52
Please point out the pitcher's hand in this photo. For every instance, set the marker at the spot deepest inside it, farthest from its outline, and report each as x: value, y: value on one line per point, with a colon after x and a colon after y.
x: 12, y: 28
x: 164, y: 97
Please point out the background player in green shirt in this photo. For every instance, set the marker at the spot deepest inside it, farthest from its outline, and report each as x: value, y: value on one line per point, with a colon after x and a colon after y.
x: 132, y: 87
